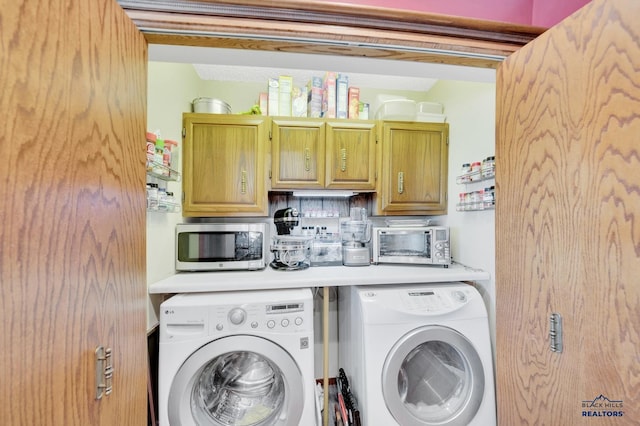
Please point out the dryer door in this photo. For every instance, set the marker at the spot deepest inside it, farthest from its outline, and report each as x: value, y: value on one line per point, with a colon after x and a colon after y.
x: 433, y: 376
x: 237, y: 380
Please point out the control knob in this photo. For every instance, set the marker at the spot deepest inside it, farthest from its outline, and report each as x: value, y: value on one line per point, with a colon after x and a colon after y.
x: 237, y: 316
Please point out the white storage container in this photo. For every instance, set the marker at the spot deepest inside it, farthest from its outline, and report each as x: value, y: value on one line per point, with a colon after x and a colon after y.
x: 430, y: 107
x: 397, y: 109
x: 426, y: 117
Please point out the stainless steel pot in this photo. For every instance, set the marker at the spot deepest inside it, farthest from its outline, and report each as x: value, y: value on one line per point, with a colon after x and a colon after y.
x: 211, y: 106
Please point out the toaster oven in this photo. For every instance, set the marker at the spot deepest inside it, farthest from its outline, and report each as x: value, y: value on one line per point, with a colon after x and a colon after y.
x: 423, y: 245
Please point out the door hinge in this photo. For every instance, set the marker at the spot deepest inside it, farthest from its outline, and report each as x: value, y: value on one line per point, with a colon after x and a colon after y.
x: 184, y: 132
x: 104, y: 372
x: 269, y: 174
x: 270, y: 136
x: 555, y: 332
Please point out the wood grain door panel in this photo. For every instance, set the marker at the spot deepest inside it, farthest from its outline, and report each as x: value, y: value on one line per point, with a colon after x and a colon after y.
x: 351, y: 155
x: 298, y: 154
x: 72, y: 221
x: 567, y: 219
x: 224, y: 165
x: 414, y: 168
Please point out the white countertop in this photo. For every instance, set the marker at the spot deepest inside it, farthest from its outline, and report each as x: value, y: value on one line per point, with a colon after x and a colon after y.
x: 327, y: 276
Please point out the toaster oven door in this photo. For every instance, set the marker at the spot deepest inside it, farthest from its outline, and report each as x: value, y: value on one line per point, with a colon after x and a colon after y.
x: 403, y: 246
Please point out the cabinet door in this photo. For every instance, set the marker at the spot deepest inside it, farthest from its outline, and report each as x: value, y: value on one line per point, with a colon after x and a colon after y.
x: 72, y: 228
x: 298, y: 159
x: 223, y: 165
x: 568, y: 222
x: 351, y: 154
x: 414, y: 168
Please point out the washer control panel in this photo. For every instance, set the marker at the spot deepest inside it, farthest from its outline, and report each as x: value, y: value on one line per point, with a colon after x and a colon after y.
x: 285, y: 317
x: 434, y: 300
x: 420, y: 299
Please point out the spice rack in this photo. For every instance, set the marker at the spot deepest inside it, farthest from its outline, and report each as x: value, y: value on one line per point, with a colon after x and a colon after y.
x: 156, y: 200
x: 482, y: 199
x: 162, y: 172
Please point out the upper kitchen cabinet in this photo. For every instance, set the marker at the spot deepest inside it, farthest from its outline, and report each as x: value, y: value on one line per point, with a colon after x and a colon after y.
x: 351, y: 154
x: 297, y: 156
x: 413, y: 168
x: 312, y: 153
x: 224, y: 165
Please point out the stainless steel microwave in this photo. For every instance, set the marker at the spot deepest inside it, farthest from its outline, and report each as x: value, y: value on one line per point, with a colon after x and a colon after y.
x: 220, y: 246
x: 422, y: 245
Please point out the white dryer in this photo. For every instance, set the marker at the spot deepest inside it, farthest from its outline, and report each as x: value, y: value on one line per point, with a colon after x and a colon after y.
x: 417, y: 355
x: 237, y: 358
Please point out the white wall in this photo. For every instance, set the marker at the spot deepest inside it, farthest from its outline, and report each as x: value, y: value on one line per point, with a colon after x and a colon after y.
x: 171, y: 88
x: 470, y: 110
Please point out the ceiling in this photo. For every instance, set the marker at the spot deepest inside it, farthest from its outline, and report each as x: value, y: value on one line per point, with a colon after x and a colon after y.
x: 257, y: 66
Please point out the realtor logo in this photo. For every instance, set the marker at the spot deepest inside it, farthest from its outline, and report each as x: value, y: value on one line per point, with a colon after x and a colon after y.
x: 601, y: 406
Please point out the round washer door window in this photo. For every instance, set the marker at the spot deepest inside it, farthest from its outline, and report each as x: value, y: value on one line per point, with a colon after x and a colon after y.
x: 433, y: 376
x: 239, y: 381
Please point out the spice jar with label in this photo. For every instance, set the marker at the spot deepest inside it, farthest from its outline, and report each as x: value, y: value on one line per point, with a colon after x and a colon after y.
x: 488, y: 168
x: 475, y: 171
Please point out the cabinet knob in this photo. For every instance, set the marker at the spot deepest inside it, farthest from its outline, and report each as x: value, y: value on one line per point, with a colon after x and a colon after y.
x: 343, y: 155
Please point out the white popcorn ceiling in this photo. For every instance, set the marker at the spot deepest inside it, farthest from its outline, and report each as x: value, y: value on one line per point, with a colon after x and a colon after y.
x: 258, y: 66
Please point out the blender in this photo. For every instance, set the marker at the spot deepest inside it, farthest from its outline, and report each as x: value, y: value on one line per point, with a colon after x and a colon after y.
x: 356, y: 237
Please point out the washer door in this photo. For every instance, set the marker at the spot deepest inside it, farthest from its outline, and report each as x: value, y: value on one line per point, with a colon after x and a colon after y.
x: 433, y: 376
x: 237, y: 380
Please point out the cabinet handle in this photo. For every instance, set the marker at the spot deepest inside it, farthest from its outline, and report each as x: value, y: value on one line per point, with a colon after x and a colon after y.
x: 400, y: 182
x: 555, y: 332
x: 243, y: 182
x: 343, y: 154
x: 307, y: 159
x: 104, y: 372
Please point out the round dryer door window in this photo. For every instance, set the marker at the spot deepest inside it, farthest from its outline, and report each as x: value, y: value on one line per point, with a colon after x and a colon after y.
x: 237, y: 381
x: 433, y: 376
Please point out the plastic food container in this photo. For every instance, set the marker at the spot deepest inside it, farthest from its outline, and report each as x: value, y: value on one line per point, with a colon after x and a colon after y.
x: 397, y: 109
x: 211, y: 106
x: 429, y: 107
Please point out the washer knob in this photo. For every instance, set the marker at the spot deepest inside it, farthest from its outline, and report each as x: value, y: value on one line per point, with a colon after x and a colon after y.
x: 237, y: 316
x: 285, y: 322
x: 271, y: 323
x: 298, y: 321
x: 460, y: 296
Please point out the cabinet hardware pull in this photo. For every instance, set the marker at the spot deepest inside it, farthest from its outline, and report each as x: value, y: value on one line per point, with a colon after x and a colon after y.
x: 307, y: 159
x: 243, y: 182
x: 555, y: 332
x: 104, y: 372
x: 343, y: 154
x: 400, y: 182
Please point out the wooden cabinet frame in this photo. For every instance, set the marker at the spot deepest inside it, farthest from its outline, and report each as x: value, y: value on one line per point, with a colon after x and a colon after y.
x: 339, y: 29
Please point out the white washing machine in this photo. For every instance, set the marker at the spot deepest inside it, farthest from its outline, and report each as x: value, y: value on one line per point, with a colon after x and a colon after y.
x: 237, y: 358
x: 417, y: 355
